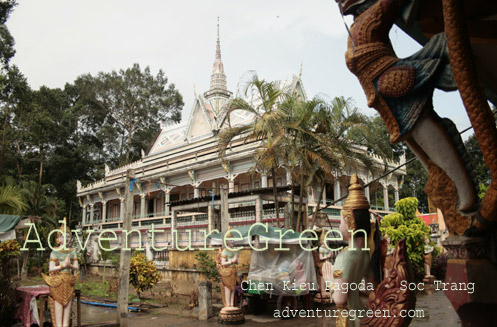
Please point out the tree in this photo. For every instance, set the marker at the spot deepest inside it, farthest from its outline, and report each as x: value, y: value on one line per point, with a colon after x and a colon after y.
x: 415, y: 181
x: 479, y: 170
x: 404, y: 224
x: 265, y: 129
x: 11, y: 200
x: 143, y: 274
x: 119, y: 106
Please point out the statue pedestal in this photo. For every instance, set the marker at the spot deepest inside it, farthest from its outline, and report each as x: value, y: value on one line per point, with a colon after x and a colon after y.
x: 468, y: 268
x: 231, y: 316
x: 429, y: 279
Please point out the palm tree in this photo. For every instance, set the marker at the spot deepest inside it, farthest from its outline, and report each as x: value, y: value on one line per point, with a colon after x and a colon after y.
x: 264, y: 103
x: 11, y: 200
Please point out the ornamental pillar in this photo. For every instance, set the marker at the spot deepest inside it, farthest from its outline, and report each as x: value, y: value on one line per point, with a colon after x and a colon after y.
x: 167, y: 198
x: 104, y: 211
x: 366, y: 192
x: 396, y: 195
x: 231, y: 184
x: 142, y: 205
x: 196, y: 192
x: 173, y: 228
x: 121, y: 209
x: 263, y: 180
x: 91, y: 213
x: 385, y: 198
x: 337, y: 194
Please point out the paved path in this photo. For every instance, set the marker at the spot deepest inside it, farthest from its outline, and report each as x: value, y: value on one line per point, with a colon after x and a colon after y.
x: 437, y: 312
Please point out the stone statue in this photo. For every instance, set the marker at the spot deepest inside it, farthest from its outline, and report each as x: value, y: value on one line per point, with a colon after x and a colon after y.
x: 226, y: 266
x: 401, y: 90
x: 63, y: 262
x: 427, y: 256
x: 148, y: 250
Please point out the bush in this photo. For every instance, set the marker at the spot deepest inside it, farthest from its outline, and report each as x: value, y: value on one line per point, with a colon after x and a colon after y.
x: 404, y: 224
x: 143, y: 274
x: 207, y: 266
x: 8, y: 298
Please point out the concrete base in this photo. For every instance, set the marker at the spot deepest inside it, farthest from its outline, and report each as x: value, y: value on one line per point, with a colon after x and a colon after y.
x: 231, y: 316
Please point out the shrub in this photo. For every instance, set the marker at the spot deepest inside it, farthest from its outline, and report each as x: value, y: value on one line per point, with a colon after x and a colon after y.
x: 8, y: 250
x: 404, y: 224
x: 143, y: 274
x: 207, y: 266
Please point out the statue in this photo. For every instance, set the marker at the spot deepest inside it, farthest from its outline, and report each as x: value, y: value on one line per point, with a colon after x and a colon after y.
x: 226, y: 266
x: 63, y: 262
x: 388, y: 257
x: 360, y: 260
x: 401, y: 90
x: 325, y: 268
x: 427, y: 256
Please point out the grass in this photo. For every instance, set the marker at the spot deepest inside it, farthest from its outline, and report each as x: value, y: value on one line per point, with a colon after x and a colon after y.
x: 99, y: 289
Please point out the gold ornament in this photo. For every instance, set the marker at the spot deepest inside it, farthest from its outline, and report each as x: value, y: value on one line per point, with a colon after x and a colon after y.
x: 355, y: 200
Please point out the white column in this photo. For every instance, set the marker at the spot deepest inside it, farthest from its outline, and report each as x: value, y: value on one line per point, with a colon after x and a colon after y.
x: 288, y: 177
x: 396, y: 195
x: 231, y: 186
x: 385, y: 197
x: 83, y: 218
x: 323, y: 197
x: 366, y: 192
x: 142, y: 205
x: 210, y: 219
x: 196, y: 192
x: 337, y: 194
x: 166, y: 203
x: 263, y: 180
x: 258, y: 210
x: 121, y: 209
x: 173, y: 228
x: 91, y: 213
x: 104, y: 211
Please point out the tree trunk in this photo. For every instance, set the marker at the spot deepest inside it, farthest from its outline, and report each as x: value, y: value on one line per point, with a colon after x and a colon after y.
x: 315, y: 213
x: 24, y: 269
x: 292, y: 213
x: 275, y: 192
x: 41, y: 165
x: 299, y: 217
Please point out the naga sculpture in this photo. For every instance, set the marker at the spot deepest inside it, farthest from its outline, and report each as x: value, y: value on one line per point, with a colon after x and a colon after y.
x: 401, y: 90
x: 63, y: 262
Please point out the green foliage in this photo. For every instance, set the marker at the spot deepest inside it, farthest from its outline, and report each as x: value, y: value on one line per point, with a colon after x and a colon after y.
x: 11, y: 200
x: 8, y: 299
x: 404, y: 224
x: 207, y: 266
x: 143, y: 274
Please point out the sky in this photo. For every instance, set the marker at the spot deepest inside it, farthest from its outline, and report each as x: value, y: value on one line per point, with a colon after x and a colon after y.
x: 58, y: 40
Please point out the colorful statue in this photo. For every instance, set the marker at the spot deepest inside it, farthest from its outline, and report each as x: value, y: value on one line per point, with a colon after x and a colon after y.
x: 353, y: 263
x: 360, y: 260
x: 428, y: 258
x: 326, y: 267
x: 401, y: 90
x: 226, y: 266
x: 63, y: 262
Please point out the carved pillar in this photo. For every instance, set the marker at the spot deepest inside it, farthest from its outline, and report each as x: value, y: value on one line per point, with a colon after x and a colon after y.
x: 121, y: 209
x: 104, y: 211
x: 337, y: 194
x: 385, y: 197
x: 142, y: 205
x: 167, y: 198
x: 83, y: 218
x: 91, y: 213
x: 258, y: 210
x: 263, y: 180
x: 173, y: 228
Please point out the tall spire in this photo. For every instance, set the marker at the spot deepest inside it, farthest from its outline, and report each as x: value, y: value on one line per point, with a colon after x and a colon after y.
x: 218, y: 87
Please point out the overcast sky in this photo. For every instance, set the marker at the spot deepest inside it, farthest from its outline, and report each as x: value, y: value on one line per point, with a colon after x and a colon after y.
x: 58, y: 40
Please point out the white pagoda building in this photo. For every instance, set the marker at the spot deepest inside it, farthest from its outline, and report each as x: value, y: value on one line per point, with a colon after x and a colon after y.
x: 183, y: 164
